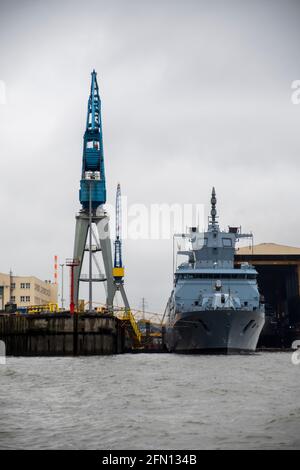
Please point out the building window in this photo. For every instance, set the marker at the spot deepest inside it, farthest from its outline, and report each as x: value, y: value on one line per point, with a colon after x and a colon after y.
x: 45, y: 291
x: 13, y: 298
x: 25, y: 285
x: 27, y: 298
x: 13, y: 285
x: 22, y: 298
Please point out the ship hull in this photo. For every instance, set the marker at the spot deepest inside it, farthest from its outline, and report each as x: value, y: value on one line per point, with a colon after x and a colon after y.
x: 215, y: 332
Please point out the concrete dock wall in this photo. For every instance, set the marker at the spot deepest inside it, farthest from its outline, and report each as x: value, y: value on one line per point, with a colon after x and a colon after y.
x: 62, y: 335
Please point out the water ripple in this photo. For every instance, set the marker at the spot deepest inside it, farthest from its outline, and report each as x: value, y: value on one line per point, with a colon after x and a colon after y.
x: 149, y: 401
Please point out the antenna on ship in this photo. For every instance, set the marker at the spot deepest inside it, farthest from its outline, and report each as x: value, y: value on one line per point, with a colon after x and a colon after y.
x: 213, y: 211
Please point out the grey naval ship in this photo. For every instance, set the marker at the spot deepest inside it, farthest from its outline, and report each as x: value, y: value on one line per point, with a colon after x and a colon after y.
x: 214, y: 307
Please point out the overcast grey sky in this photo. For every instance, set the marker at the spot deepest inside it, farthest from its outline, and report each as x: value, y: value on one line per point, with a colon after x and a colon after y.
x: 194, y: 94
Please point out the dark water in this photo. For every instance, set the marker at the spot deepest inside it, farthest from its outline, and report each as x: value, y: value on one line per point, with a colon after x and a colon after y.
x: 147, y: 401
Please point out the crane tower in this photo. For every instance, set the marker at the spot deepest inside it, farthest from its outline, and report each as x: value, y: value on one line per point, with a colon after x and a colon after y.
x: 92, y: 196
x: 118, y: 270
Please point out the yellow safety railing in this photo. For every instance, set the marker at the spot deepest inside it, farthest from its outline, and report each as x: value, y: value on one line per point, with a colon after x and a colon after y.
x: 51, y: 307
x: 126, y: 315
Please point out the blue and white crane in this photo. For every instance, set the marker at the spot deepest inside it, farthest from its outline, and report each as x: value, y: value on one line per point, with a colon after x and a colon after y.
x: 92, y: 197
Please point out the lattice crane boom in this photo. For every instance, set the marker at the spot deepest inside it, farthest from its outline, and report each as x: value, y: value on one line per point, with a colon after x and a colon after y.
x: 118, y: 270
